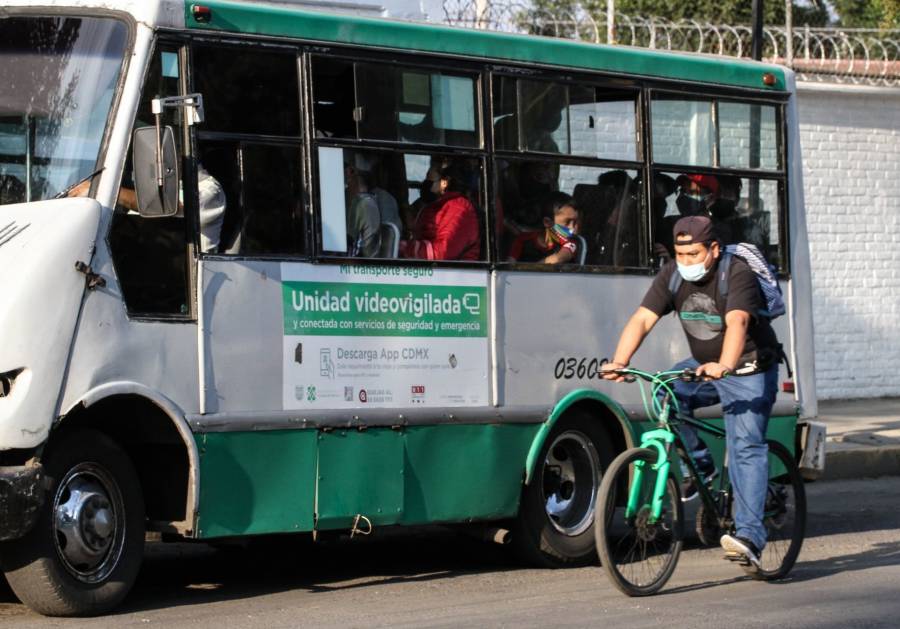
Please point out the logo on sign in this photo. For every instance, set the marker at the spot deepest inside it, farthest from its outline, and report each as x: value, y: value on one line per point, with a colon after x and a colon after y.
x: 326, y: 366
x: 348, y: 394
x: 418, y: 393
x: 363, y: 397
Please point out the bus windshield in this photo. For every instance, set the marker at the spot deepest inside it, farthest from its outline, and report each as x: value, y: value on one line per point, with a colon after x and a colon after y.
x: 58, y: 78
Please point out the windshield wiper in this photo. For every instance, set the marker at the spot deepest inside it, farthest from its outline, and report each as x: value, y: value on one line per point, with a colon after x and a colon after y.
x: 65, y: 192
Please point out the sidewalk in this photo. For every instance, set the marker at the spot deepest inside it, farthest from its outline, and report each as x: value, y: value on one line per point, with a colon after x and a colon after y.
x: 863, y: 437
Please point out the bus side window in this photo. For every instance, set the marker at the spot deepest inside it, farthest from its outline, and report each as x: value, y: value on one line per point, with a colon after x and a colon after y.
x: 412, y: 105
x: 150, y: 254
x: 250, y: 145
x: 607, y: 202
x: 333, y: 98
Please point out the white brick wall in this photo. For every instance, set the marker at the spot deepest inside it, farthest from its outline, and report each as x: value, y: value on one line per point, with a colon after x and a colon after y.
x: 850, y: 140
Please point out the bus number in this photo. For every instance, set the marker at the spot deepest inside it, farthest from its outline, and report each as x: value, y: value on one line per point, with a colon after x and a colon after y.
x: 580, y: 368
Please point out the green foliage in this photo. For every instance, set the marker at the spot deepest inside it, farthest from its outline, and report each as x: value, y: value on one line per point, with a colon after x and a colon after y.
x: 869, y: 14
x: 712, y: 11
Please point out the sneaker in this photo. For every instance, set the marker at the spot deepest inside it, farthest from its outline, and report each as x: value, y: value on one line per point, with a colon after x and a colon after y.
x: 689, y: 489
x: 740, y: 549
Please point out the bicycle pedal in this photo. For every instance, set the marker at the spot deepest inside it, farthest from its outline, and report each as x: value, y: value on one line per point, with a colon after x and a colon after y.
x: 737, y: 558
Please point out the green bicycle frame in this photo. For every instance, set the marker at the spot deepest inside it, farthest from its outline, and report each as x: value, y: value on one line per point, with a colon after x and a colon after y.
x: 658, y: 440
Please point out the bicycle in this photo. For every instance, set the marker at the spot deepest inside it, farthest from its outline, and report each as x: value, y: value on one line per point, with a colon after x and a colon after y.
x: 639, y: 515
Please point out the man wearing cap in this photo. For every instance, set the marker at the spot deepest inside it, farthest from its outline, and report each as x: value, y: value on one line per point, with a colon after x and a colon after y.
x: 724, y: 334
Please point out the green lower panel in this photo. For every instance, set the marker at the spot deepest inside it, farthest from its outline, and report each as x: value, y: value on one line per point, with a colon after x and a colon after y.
x: 468, y: 472
x: 273, y: 482
x: 360, y: 473
x: 256, y: 482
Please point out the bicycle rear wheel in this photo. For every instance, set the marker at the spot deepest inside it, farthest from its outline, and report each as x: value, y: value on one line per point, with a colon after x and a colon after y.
x: 784, y: 518
x: 638, y: 554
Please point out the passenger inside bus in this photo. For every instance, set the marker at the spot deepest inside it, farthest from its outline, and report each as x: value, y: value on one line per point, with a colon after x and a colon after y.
x: 696, y: 195
x: 12, y: 190
x: 616, y: 236
x: 447, y: 228
x: 557, y: 243
x: 727, y: 223
x: 363, y: 216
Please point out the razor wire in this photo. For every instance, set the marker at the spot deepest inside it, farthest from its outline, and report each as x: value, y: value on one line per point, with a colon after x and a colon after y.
x: 840, y: 55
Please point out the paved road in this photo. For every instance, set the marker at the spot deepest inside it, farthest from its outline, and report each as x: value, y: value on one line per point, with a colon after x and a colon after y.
x: 848, y: 576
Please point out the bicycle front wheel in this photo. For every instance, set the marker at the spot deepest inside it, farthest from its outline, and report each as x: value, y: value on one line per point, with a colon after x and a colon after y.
x: 637, y: 551
x: 784, y: 516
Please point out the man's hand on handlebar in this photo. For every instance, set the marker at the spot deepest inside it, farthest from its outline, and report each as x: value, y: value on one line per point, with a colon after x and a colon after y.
x: 712, y: 371
x: 612, y: 371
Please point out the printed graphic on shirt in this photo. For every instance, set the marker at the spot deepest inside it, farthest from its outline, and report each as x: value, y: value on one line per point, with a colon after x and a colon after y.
x: 700, y: 318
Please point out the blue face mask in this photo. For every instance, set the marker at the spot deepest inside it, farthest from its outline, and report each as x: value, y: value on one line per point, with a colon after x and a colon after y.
x: 693, y: 272
x: 563, y: 231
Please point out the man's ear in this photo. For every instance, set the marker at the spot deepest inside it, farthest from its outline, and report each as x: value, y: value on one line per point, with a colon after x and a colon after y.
x: 716, y: 250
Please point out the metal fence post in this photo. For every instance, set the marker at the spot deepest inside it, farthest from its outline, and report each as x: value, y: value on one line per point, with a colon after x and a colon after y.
x: 611, y: 21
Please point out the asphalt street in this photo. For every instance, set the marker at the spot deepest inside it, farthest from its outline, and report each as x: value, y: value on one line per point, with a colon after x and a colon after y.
x: 847, y: 576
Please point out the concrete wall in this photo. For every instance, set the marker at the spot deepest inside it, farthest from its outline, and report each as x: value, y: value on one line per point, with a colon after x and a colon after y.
x: 850, y: 140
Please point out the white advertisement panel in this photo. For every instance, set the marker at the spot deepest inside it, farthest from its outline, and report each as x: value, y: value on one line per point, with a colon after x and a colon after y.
x: 362, y: 336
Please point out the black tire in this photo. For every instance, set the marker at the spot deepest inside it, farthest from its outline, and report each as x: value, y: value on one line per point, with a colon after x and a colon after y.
x: 638, y: 556
x: 785, y: 516
x: 553, y: 533
x: 85, y: 569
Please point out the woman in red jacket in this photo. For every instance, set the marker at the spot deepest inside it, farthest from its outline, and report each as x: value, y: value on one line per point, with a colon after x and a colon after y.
x: 446, y: 229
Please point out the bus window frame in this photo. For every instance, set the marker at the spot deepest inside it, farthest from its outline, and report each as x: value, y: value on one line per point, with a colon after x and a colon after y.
x: 403, y: 60
x: 198, y: 134
x: 779, y: 100
x: 180, y: 41
x: 571, y: 79
x: 486, y: 69
x: 597, y: 81
x: 480, y: 151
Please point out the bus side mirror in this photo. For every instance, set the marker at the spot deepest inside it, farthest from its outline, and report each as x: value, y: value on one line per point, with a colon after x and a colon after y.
x: 155, y: 160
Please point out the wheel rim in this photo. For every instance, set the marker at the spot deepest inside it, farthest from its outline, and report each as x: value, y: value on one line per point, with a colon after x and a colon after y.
x: 570, y: 478
x: 780, y: 520
x: 638, y: 552
x: 88, y: 522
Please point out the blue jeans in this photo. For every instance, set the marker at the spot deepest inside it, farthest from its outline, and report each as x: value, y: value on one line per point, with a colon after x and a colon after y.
x: 747, y: 403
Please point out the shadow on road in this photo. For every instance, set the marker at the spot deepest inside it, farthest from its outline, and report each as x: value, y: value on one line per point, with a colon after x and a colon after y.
x: 881, y: 554
x: 191, y: 574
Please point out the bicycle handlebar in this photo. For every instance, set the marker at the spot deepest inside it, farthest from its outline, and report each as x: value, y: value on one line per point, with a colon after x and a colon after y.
x: 630, y: 375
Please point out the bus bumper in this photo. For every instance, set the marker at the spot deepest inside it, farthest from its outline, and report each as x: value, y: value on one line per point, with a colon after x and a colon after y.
x: 21, y: 499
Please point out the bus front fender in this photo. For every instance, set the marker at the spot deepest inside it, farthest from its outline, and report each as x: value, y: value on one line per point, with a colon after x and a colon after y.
x: 578, y: 397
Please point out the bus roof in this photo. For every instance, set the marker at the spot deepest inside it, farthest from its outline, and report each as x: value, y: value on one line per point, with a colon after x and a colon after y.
x: 290, y: 21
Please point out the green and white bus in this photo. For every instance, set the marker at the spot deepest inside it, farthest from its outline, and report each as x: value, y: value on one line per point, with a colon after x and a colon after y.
x: 217, y: 320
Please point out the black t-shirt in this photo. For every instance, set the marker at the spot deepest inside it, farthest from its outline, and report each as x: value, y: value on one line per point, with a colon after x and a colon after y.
x: 701, y: 310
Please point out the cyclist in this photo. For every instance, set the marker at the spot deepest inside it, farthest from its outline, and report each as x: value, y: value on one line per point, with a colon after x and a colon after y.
x: 724, y: 335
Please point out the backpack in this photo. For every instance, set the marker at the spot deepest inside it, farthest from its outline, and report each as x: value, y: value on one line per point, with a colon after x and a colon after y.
x: 765, y: 277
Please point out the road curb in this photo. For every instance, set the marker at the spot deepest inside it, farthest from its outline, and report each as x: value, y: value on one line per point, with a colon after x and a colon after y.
x: 862, y: 463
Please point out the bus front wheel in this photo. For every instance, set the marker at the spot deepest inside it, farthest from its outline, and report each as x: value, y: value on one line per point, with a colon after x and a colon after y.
x: 555, y: 525
x: 83, y: 555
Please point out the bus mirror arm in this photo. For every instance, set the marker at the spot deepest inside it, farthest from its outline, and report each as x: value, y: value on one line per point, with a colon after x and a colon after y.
x: 193, y: 103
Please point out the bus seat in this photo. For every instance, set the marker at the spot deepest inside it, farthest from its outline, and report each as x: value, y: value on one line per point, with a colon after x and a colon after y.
x: 390, y: 241
x: 582, y: 249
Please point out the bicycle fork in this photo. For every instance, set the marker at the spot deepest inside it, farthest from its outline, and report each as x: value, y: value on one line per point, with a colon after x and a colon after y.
x: 660, y: 441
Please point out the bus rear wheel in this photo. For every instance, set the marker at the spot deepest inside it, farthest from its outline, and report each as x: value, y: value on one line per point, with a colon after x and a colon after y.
x: 83, y: 555
x: 555, y: 525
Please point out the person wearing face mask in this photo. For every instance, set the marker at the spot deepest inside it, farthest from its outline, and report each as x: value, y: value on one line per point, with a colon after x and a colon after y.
x: 447, y: 228
x: 725, y: 335
x: 696, y: 194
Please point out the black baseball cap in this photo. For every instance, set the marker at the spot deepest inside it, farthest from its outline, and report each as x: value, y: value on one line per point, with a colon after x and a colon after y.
x: 693, y: 230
